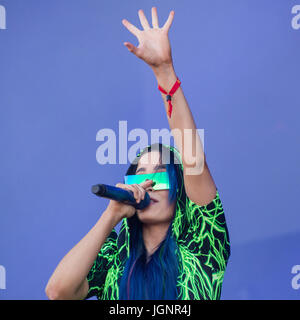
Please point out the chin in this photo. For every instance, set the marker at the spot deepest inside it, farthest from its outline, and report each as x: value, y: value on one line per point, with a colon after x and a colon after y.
x: 152, y: 216
x: 147, y: 215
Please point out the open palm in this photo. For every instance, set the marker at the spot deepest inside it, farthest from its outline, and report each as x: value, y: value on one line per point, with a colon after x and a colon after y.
x: 154, y: 46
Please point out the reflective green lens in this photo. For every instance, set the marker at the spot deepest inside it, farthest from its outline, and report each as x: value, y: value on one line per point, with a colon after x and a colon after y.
x: 161, y: 179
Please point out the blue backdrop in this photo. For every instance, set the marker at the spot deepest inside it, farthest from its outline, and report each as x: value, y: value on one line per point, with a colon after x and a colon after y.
x: 65, y: 74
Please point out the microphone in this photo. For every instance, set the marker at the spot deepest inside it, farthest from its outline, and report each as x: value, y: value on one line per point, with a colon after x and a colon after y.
x: 121, y: 195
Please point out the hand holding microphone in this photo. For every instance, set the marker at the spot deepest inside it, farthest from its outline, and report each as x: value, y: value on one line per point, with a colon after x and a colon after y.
x: 120, y: 207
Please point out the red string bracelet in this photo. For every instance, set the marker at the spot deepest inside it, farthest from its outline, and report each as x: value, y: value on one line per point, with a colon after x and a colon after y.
x: 170, y: 94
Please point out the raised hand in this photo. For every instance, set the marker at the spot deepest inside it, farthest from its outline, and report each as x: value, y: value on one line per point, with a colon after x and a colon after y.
x: 154, y: 46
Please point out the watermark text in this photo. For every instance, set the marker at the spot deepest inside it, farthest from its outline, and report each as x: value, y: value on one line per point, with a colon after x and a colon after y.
x: 296, y: 19
x: 2, y: 277
x: 296, y: 279
x: 2, y: 17
x: 192, y: 141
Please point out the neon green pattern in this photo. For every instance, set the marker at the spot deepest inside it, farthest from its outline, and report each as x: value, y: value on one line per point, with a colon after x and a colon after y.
x: 203, y: 252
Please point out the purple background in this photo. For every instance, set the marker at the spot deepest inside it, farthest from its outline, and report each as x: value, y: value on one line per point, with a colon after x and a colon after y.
x: 65, y: 74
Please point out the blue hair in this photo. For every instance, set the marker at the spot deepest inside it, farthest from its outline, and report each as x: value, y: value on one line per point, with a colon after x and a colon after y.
x: 157, y: 279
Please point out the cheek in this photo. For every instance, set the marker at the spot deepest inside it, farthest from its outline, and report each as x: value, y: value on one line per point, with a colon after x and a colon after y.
x: 164, y: 203
x: 164, y: 199
x: 166, y: 208
x: 163, y: 195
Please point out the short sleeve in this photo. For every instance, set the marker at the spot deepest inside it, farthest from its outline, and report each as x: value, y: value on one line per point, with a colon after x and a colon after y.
x: 97, y: 274
x: 207, y: 233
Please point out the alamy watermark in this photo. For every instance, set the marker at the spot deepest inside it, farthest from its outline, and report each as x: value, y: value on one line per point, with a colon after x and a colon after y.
x: 2, y: 17
x: 296, y: 19
x: 2, y: 277
x: 107, y: 152
x: 296, y: 279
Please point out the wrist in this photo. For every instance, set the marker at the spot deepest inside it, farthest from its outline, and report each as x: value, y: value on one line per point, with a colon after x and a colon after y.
x: 165, y: 76
x: 112, y: 217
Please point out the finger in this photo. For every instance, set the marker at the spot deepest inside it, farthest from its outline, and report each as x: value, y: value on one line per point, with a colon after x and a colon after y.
x: 134, y: 30
x: 143, y: 20
x: 135, y: 191
x: 146, y: 183
x: 143, y: 192
x: 140, y: 192
x: 119, y: 185
x: 130, y: 47
x: 154, y: 17
x: 129, y: 187
x: 168, y: 23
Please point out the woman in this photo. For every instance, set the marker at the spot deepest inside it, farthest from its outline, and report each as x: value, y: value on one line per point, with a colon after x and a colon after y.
x: 177, y: 247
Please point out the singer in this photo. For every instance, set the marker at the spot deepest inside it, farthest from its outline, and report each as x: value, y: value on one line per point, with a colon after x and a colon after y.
x: 177, y: 248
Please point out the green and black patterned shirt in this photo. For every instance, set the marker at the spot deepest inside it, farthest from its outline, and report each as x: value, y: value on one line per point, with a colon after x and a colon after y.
x: 204, y: 249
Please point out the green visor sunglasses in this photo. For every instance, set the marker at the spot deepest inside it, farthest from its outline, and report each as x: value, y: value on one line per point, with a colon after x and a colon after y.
x: 160, y: 179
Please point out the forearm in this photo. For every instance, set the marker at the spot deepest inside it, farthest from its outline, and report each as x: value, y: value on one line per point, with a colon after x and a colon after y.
x: 187, y: 141
x: 71, y: 272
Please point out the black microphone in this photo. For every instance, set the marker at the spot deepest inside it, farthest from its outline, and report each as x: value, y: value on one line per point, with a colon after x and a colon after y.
x: 121, y: 195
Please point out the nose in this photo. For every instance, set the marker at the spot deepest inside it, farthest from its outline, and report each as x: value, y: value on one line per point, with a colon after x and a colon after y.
x: 150, y: 188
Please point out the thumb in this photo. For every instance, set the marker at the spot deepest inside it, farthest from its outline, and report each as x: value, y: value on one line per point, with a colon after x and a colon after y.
x: 130, y: 46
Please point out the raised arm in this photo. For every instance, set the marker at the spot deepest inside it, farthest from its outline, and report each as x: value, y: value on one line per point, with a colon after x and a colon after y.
x: 154, y: 48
